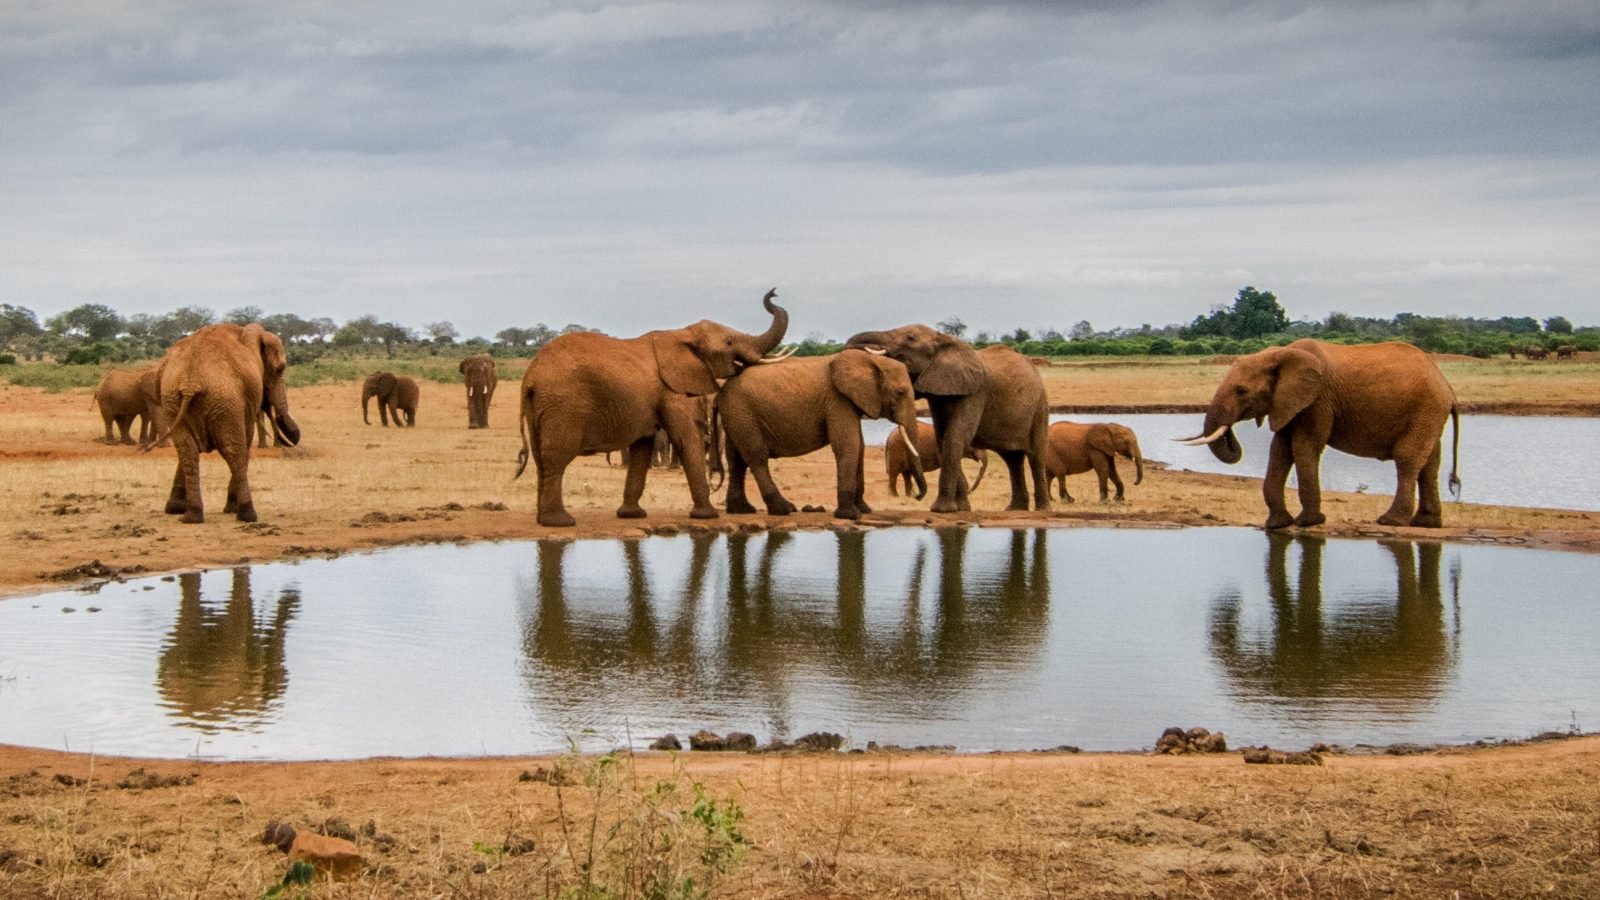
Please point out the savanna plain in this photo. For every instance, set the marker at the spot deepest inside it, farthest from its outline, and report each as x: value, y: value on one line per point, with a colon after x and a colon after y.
x: 1516, y: 819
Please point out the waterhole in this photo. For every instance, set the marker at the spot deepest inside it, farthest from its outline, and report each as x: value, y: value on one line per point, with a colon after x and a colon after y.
x: 974, y: 637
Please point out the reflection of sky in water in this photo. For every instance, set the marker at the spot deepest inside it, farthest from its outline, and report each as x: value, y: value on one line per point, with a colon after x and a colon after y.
x: 1495, y: 465
x: 982, y: 638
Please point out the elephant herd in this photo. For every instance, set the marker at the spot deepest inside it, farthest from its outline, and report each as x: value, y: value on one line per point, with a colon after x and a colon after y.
x: 707, y: 388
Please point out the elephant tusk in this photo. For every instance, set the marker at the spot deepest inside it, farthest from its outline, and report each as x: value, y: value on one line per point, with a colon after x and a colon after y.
x: 781, y: 355
x: 911, y: 446
x: 1206, y: 439
x: 876, y: 351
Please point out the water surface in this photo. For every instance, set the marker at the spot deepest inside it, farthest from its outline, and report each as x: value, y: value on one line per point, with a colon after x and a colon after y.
x: 981, y: 638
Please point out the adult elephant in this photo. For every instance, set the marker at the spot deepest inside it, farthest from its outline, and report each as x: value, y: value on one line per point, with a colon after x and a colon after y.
x: 1381, y: 401
x: 1076, y: 448
x: 397, y: 396
x: 121, y: 400
x: 479, y: 375
x: 214, y: 383
x: 1566, y: 351
x: 803, y: 405
x: 588, y: 393
x: 1533, y: 352
x: 989, y: 399
x: 897, y: 460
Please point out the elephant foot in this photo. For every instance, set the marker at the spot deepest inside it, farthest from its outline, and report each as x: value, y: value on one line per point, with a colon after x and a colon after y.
x: 1016, y: 505
x: 704, y: 512
x: 1427, y: 520
x: 630, y: 511
x: 558, y: 519
x: 740, y: 507
x: 1310, y: 519
x: 193, y: 517
x: 1279, y: 520
x: 861, y: 505
x: 847, y: 512
x: 1390, y: 518
x: 246, y: 513
x: 945, y: 505
x: 779, y: 506
x: 175, y: 507
x: 128, y: 441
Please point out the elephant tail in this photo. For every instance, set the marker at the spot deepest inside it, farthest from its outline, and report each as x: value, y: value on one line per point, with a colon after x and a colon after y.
x: 183, y: 410
x: 1455, y: 451
x: 530, y: 436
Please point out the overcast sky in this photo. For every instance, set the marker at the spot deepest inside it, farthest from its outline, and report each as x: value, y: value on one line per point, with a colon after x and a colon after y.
x: 641, y: 165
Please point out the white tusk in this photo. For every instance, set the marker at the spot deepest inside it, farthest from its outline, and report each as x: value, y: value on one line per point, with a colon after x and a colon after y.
x: 910, y: 444
x: 781, y: 355
x: 1197, y: 441
x: 875, y: 351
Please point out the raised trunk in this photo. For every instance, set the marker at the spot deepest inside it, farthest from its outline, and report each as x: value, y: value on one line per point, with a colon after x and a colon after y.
x: 768, y: 340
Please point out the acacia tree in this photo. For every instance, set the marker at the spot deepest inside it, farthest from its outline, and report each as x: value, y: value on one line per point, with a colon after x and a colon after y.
x: 1253, y: 314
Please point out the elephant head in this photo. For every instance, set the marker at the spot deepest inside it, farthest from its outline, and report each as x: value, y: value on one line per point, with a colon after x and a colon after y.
x: 881, y: 389
x: 939, y: 364
x: 380, y: 385
x: 1119, y: 439
x: 274, y: 391
x: 693, y: 359
x: 1275, y: 384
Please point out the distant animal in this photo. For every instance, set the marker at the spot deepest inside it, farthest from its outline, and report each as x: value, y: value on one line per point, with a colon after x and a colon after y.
x: 1566, y: 351
x: 479, y: 375
x: 213, y: 385
x: 1533, y: 352
x: 1380, y: 401
x: 1513, y: 352
x: 1076, y: 448
x: 121, y: 400
x: 897, y: 462
x: 397, y: 396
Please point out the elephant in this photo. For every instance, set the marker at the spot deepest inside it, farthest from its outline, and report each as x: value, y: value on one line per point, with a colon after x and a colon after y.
x: 479, y: 375
x: 397, y: 395
x: 989, y: 399
x: 1381, y: 401
x: 1533, y: 352
x: 897, y: 461
x: 1566, y: 351
x: 213, y: 383
x: 588, y: 393
x: 121, y: 399
x: 1076, y: 448
x: 802, y: 405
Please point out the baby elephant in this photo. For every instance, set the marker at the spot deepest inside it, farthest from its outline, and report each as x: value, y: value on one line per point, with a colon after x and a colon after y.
x: 396, y: 394
x: 898, y: 461
x: 1075, y: 448
x: 801, y: 405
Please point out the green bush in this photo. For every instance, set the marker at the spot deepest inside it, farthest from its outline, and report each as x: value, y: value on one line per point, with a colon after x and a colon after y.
x: 8, y: 359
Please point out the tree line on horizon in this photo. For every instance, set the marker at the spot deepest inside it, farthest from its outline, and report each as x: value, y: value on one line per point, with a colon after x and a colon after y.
x: 93, y: 333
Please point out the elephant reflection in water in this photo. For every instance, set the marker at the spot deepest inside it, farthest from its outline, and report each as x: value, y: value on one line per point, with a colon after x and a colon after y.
x: 1394, y: 653
x: 221, y: 668
x: 774, y: 629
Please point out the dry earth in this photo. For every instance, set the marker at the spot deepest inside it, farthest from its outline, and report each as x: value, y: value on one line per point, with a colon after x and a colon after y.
x: 1507, y: 821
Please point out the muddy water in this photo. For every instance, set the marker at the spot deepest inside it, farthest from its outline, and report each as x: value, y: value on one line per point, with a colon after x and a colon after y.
x: 1544, y: 461
x: 980, y: 638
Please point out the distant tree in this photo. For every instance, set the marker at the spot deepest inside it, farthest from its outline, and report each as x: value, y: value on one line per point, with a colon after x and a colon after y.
x: 393, y: 334
x: 288, y: 326
x: 441, y: 332
x: 322, y: 328
x: 17, y: 322
x: 1558, y: 325
x: 1021, y: 335
x: 1339, y: 323
x: 91, y: 321
x: 514, y: 337
x: 952, y: 326
x: 244, y: 315
x: 1253, y: 314
x: 1082, y: 331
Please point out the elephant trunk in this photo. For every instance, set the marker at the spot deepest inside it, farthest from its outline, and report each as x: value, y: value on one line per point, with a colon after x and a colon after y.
x: 365, y: 396
x: 1224, y: 447
x: 865, y: 339
x: 1138, y: 460
x: 768, y: 340
x: 276, y: 403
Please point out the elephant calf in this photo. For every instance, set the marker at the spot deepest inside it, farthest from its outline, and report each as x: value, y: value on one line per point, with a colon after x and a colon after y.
x: 897, y: 458
x: 801, y: 405
x: 1072, y: 448
x: 396, y: 394
x: 121, y: 398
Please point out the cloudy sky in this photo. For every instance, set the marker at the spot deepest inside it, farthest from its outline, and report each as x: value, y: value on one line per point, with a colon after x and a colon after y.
x: 640, y: 165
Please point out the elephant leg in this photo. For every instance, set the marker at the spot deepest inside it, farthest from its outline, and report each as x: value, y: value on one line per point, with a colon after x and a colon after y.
x: 776, y: 503
x: 109, y: 419
x: 1280, y: 459
x: 958, y: 426
x: 685, y: 436
x: 1308, y: 469
x: 177, y: 498
x: 1111, y: 470
x: 1019, y: 486
x: 639, y: 453
x: 194, y: 511
x: 861, y: 477
x: 1407, y: 475
x: 1430, y: 511
x: 551, y: 456
x: 737, y: 502
x: 894, y: 483
x: 125, y: 424
x: 846, y: 468
x: 1037, y: 450
x: 1103, y: 477
x: 240, y: 503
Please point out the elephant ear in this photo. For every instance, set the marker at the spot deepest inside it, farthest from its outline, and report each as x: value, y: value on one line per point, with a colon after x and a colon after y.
x: 1101, y: 438
x: 1298, y: 385
x: 682, y: 370
x: 463, y: 367
x: 854, y: 375
x: 954, y: 371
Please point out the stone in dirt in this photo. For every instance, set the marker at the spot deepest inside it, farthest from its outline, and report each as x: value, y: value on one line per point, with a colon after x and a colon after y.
x: 279, y: 834
x: 666, y: 742
x: 331, y: 856
x: 140, y: 780
x: 710, y: 740
x: 1194, y: 740
x: 1270, y: 757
